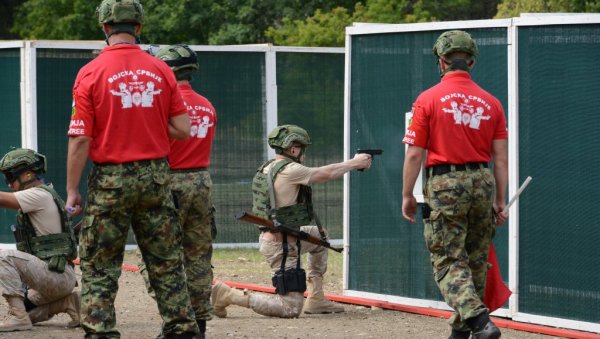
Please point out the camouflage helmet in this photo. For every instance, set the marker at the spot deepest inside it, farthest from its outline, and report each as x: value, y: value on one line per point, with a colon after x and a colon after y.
x: 18, y: 160
x: 284, y: 136
x: 120, y: 11
x: 182, y: 60
x: 455, y: 41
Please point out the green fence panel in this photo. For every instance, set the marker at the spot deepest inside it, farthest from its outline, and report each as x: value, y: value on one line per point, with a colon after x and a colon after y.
x: 234, y: 82
x: 10, y: 129
x: 310, y: 94
x: 388, y: 72
x: 56, y: 72
x: 558, y: 145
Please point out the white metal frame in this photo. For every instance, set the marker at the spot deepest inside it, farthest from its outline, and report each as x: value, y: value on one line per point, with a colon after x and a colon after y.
x: 512, y: 26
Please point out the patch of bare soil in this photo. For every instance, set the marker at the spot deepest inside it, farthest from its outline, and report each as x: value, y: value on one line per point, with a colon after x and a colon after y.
x: 137, y: 315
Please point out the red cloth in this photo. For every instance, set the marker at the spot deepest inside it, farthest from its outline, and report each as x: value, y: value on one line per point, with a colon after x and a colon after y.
x: 456, y: 121
x: 123, y: 99
x: 194, y: 152
x: 496, y: 292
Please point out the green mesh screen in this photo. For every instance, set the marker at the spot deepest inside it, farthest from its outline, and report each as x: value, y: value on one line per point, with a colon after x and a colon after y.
x: 234, y: 83
x: 558, y: 145
x: 10, y: 128
x: 310, y: 93
x: 56, y: 72
x: 388, y: 72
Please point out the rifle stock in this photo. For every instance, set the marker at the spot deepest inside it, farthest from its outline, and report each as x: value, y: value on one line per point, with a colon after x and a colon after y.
x: 254, y: 219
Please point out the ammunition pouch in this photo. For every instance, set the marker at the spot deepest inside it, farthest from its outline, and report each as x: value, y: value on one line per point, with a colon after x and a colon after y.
x: 292, y: 280
x: 295, y: 216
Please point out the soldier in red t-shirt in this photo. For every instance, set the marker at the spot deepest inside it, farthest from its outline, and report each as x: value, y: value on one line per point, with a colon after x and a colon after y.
x: 191, y: 184
x: 463, y: 128
x: 126, y: 107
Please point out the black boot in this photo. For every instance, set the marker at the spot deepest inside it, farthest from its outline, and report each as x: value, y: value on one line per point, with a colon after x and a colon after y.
x: 459, y: 334
x: 202, y: 329
x: 482, y: 327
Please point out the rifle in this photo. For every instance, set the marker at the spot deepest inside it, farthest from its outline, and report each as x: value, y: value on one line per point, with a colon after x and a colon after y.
x: 371, y: 152
x: 254, y: 219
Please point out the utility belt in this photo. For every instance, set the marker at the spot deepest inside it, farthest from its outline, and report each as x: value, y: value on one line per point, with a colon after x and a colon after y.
x: 266, y: 229
x: 137, y: 163
x: 189, y: 170
x: 447, y: 168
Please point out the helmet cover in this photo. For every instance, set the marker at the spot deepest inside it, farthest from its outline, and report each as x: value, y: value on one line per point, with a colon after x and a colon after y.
x: 455, y: 41
x: 285, y: 135
x: 18, y: 160
x: 120, y: 11
x: 181, y: 58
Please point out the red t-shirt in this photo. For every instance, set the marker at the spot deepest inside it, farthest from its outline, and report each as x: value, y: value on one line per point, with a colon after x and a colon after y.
x: 456, y: 121
x: 123, y: 100
x: 195, y: 151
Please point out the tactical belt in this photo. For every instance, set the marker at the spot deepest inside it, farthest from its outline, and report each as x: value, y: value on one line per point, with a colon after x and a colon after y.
x: 132, y: 163
x: 447, y: 168
x: 189, y: 170
x: 266, y: 229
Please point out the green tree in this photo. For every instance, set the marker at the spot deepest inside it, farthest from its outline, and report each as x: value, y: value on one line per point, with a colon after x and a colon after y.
x: 168, y: 21
x: 514, y: 8
x: 7, y: 8
x: 328, y: 28
x: 56, y: 19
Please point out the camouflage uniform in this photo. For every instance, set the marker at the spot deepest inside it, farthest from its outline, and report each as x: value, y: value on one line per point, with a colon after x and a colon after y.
x: 136, y: 194
x: 192, y: 194
x: 458, y: 234
x: 289, y: 305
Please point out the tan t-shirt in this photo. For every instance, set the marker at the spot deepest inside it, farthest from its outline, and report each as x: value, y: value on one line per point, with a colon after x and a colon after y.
x: 288, y: 181
x: 42, y: 210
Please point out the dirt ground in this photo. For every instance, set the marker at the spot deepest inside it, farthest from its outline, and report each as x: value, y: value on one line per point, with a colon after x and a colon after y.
x: 138, y: 317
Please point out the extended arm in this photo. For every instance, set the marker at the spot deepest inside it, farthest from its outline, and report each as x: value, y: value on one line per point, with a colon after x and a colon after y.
x: 179, y: 127
x: 334, y: 171
x: 9, y: 200
x: 500, y: 158
x: 76, y: 158
x: 412, y: 166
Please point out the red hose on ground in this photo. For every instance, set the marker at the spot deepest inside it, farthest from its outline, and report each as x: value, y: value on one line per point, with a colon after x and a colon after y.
x: 500, y: 322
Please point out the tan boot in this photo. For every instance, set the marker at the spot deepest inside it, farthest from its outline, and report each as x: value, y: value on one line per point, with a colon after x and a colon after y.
x: 316, y: 302
x: 223, y: 296
x: 69, y: 304
x: 17, y: 320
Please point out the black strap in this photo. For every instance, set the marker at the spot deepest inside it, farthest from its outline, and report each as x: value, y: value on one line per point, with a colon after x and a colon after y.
x: 285, y: 247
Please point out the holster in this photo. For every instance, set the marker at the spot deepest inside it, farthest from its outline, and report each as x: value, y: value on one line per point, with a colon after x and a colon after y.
x: 292, y: 280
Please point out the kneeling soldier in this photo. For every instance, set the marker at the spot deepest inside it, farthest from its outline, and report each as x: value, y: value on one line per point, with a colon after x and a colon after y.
x: 38, y: 278
x: 281, y: 192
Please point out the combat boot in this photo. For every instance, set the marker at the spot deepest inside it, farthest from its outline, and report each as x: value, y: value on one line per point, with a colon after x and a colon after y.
x: 316, y: 302
x: 18, y: 319
x: 69, y: 304
x: 223, y: 296
x: 459, y: 334
x: 482, y: 327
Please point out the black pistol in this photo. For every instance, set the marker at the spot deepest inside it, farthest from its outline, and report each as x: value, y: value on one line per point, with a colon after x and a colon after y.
x: 371, y: 152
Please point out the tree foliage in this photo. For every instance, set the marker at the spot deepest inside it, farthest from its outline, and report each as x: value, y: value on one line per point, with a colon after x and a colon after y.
x: 283, y: 22
x: 328, y: 28
x: 514, y: 8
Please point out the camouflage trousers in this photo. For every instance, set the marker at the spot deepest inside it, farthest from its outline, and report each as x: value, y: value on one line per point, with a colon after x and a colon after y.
x: 121, y: 195
x: 192, y: 196
x: 289, y: 305
x: 458, y: 234
x: 43, y: 286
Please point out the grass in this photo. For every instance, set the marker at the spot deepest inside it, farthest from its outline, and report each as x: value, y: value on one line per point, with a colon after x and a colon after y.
x: 248, y: 266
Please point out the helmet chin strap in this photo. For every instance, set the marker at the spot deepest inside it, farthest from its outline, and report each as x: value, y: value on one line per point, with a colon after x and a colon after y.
x: 23, y: 184
x: 293, y: 158
x: 455, y: 65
